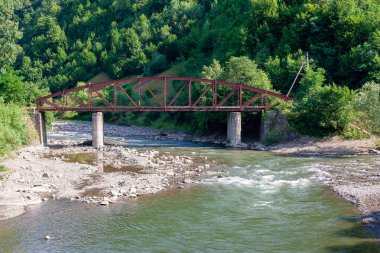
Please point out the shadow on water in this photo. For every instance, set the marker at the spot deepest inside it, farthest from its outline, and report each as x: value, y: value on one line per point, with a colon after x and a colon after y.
x: 364, y: 239
x: 364, y: 247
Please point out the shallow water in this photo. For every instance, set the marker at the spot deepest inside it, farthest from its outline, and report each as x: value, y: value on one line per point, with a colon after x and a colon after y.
x: 263, y: 203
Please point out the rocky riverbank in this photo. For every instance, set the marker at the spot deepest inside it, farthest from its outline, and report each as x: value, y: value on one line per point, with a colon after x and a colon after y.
x: 71, y: 170
x: 306, y: 146
x: 356, y: 179
x: 328, y: 146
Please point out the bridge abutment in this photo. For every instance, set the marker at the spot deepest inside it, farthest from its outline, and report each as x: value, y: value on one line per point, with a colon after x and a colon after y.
x: 97, y: 129
x: 39, y: 121
x: 234, y: 128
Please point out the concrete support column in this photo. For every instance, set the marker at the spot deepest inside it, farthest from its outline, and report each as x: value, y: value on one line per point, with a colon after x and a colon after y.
x: 39, y: 121
x: 234, y: 128
x: 97, y: 129
x: 42, y: 129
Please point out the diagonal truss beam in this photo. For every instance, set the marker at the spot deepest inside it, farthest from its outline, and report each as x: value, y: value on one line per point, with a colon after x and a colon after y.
x: 126, y: 94
x: 208, y: 87
x: 252, y: 100
x: 179, y: 92
x: 153, y: 95
x: 227, y: 97
x: 102, y: 97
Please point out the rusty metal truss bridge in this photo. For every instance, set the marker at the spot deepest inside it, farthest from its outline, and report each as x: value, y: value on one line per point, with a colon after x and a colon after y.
x: 161, y: 94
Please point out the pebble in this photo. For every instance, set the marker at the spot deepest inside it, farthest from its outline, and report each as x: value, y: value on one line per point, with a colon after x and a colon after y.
x: 47, y: 237
x: 104, y: 203
x: 133, y: 190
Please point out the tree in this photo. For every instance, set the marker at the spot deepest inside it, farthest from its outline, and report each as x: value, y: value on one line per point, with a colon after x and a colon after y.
x: 367, y: 107
x: 214, y: 71
x: 324, y: 111
x: 127, y: 55
x: 12, y: 87
x: 244, y: 70
x: 313, y: 79
x: 9, y: 35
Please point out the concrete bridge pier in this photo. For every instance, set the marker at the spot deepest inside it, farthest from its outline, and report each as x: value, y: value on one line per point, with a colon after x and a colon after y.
x: 97, y: 129
x: 39, y: 122
x: 234, y: 128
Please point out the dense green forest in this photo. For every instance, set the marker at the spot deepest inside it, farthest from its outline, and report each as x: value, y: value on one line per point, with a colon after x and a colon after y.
x: 50, y: 45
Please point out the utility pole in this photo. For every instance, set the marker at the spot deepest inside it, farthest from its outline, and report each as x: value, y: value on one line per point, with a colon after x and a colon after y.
x: 305, y: 61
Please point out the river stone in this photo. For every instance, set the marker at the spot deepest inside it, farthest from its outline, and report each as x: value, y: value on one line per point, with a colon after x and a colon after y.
x: 104, y: 203
x: 133, y: 190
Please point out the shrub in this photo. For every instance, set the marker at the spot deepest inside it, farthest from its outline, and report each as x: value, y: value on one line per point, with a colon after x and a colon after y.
x: 324, y: 111
x: 272, y: 138
x: 353, y: 133
x: 13, y: 130
x: 367, y: 107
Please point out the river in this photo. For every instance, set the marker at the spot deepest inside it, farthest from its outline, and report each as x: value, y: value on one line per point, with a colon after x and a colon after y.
x: 263, y: 203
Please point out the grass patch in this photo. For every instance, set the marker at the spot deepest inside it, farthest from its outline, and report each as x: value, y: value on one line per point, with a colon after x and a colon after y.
x: 2, y: 169
x: 272, y: 138
x: 377, y: 144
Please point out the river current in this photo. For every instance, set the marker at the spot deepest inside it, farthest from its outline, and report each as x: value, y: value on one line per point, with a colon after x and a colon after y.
x: 263, y: 203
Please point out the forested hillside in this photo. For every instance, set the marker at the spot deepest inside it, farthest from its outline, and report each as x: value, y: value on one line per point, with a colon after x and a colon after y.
x: 56, y: 43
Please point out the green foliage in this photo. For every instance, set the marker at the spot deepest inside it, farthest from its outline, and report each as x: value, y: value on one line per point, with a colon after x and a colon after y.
x: 244, y: 70
x: 324, y: 111
x: 367, y: 107
x: 13, y: 131
x: 354, y: 133
x: 261, y: 43
x: 238, y: 70
x: 214, y: 71
x: 12, y: 88
x: 377, y: 144
x: 69, y: 41
x: 272, y: 138
x: 312, y: 80
x: 9, y: 34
